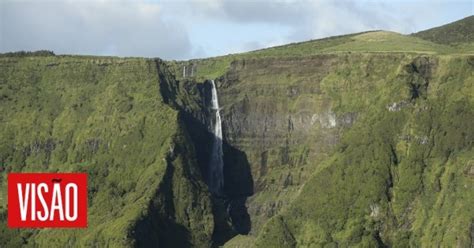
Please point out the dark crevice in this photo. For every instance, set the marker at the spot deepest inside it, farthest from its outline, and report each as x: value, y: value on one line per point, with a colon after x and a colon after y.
x: 472, y: 233
x: 391, y: 170
x: 380, y: 243
x: 419, y: 73
x: 158, y: 227
x: 393, y: 156
x: 415, y: 91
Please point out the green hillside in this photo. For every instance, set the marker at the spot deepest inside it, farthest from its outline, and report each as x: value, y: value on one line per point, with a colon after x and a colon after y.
x: 461, y: 31
x: 368, y: 42
x: 401, y: 176
x: 106, y: 117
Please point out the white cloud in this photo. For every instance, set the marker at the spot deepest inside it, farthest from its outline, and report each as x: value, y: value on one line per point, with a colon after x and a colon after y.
x: 194, y: 28
x: 122, y: 28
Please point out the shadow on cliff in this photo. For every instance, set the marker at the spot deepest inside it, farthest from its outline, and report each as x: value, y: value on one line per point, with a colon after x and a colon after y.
x: 159, y: 230
x: 238, y: 185
x: 238, y: 181
x: 230, y: 213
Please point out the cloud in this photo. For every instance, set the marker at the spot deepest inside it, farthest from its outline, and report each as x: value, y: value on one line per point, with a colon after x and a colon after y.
x: 177, y: 29
x: 122, y: 28
x: 310, y: 19
x: 318, y: 18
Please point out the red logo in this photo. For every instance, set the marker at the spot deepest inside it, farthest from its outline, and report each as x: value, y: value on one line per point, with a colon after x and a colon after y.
x: 47, y: 200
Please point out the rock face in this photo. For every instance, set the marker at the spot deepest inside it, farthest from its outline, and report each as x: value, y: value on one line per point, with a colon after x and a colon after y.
x: 283, y: 123
x: 392, y: 163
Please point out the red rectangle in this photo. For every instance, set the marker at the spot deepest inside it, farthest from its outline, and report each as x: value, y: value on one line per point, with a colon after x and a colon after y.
x: 38, y: 200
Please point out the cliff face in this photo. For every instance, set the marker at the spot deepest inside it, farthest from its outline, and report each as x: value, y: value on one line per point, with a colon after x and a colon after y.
x: 331, y: 149
x: 276, y: 113
x: 350, y: 149
x: 106, y: 117
x: 399, y: 172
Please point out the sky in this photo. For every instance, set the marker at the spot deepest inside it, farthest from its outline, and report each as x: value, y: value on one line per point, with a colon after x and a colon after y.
x: 186, y: 29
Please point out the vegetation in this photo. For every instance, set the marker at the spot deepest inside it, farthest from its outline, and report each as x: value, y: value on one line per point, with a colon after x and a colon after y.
x: 41, y: 53
x: 105, y: 117
x: 461, y: 31
x: 396, y: 176
x: 367, y: 42
x: 362, y: 140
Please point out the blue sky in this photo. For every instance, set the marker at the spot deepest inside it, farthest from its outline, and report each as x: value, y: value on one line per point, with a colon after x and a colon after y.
x: 184, y: 29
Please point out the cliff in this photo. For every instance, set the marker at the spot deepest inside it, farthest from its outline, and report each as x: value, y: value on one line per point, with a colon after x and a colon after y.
x: 294, y: 114
x: 360, y: 140
x: 106, y: 117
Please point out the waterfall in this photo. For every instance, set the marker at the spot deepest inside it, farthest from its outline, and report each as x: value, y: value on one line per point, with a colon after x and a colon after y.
x: 216, y: 166
x: 184, y: 71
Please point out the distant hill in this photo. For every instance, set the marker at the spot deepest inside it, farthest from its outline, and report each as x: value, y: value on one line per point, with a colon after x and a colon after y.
x: 461, y: 31
x: 28, y: 53
x: 367, y: 42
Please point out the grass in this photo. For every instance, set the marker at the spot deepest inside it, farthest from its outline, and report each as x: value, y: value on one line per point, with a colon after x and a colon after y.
x: 453, y: 33
x: 367, y: 42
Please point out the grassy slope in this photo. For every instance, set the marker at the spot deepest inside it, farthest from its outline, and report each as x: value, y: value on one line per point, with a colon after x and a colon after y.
x: 368, y: 42
x: 106, y: 117
x: 461, y: 31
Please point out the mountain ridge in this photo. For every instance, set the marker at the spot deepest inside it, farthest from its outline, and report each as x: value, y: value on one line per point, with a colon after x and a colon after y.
x: 459, y: 31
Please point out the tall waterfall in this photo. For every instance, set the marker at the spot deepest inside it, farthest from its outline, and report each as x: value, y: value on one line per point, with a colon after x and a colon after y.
x: 216, y: 166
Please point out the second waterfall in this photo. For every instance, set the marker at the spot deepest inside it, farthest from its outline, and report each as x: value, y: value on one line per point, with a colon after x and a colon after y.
x: 216, y: 166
